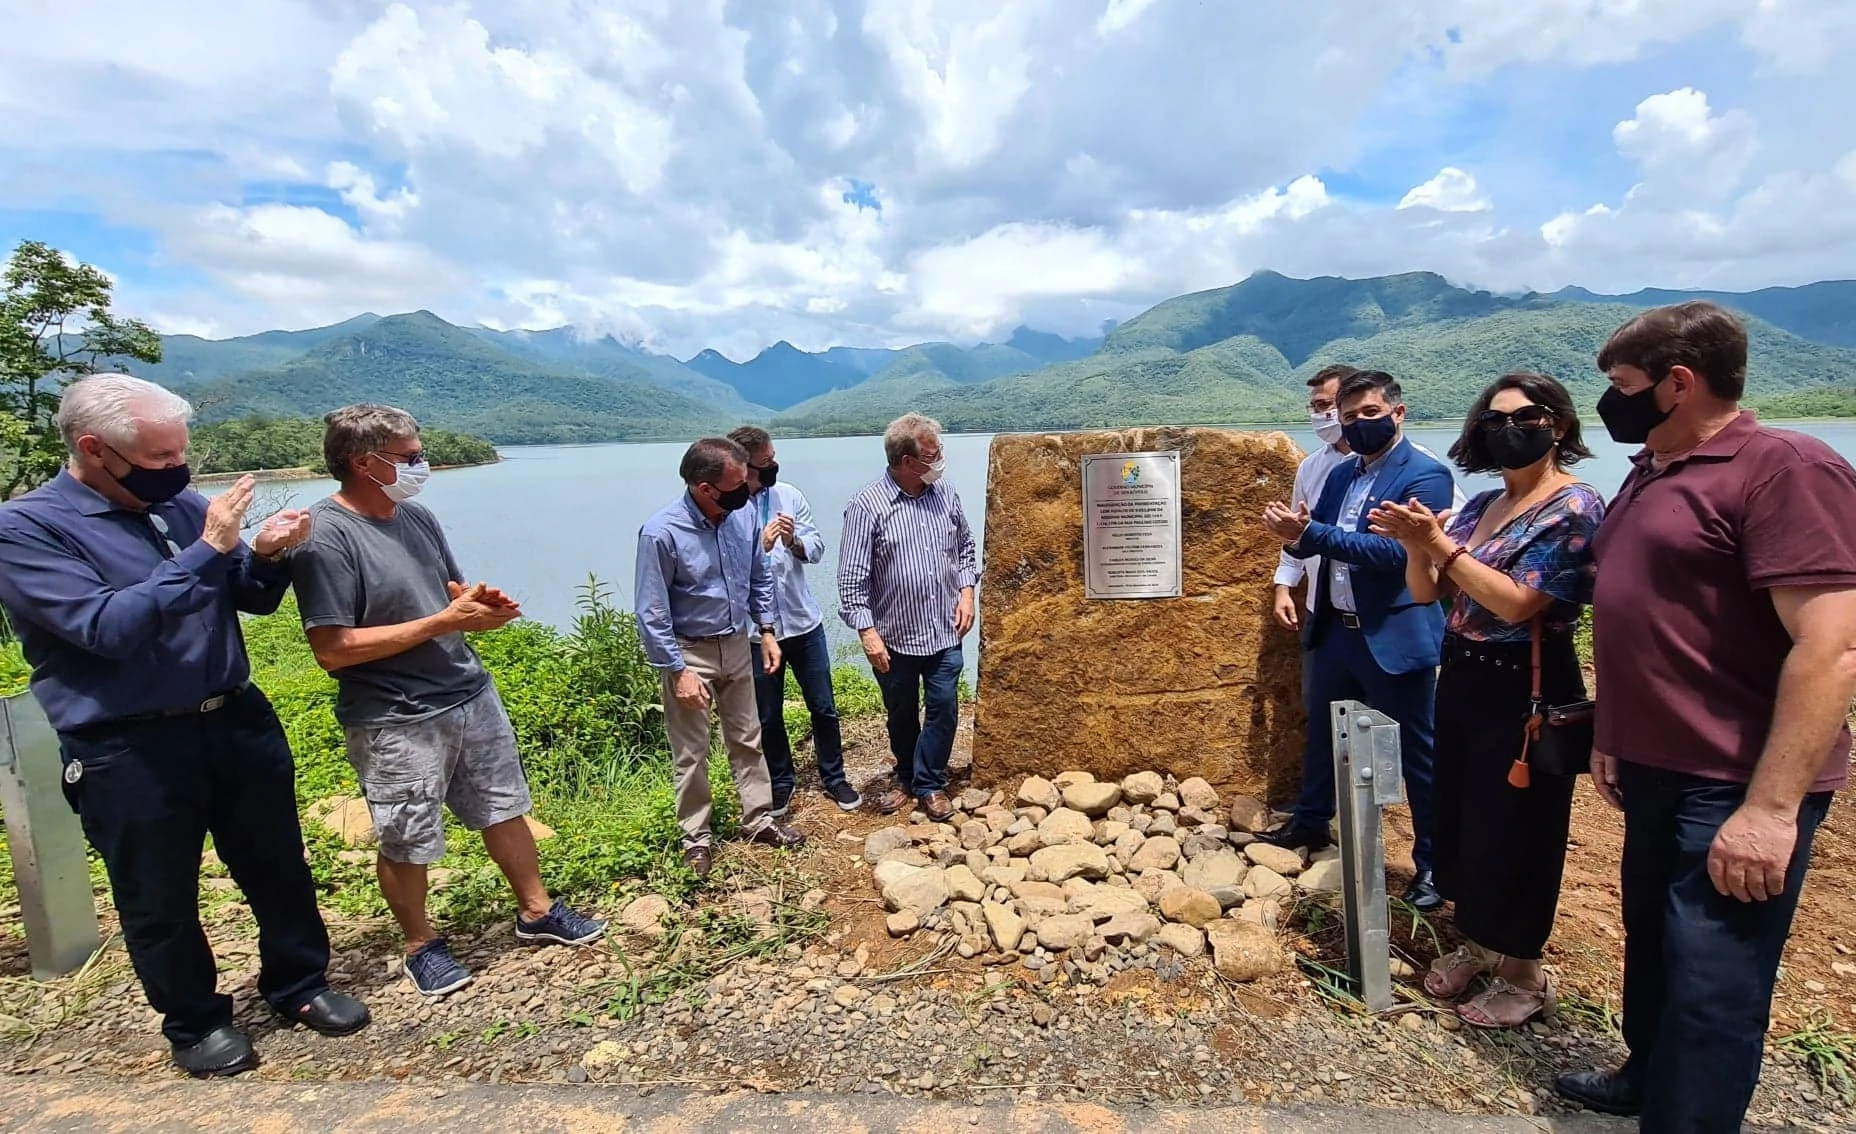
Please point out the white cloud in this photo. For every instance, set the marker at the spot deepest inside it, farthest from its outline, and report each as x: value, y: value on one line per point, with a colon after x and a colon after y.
x: 1451, y: 191
x: 676, y: 171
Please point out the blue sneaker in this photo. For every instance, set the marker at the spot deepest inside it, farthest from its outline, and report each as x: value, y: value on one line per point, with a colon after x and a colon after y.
x: 434, y: 971
x: 561, y: 926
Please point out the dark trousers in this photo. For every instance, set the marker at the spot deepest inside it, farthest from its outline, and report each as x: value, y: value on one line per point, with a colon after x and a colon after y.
x: 1340, y: 667
x: 922, y: 747
x: 1699, y: 966
x: 148, y: 794
x: 809, y: 657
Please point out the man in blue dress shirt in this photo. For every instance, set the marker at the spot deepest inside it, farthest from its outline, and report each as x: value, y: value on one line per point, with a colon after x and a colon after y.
x: 125, y: 589
x: 702, y: 581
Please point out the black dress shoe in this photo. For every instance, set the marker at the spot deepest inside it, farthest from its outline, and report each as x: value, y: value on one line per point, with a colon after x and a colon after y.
x: 224, y: 1051
x: 776, y: 834
x: 1603, y: 1091
x: 330, y: 1012
x: 1290, y: 837
x: 1422, y: 894
x: 698, y: 860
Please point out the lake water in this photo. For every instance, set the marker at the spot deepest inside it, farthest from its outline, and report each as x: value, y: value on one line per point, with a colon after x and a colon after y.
x: 548, y: 516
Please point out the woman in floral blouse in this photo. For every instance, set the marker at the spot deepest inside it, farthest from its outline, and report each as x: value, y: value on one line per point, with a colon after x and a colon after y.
x: 1510, y: 555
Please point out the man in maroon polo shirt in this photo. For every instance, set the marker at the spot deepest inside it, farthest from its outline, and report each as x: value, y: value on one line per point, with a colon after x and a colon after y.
x: 1726, y: 652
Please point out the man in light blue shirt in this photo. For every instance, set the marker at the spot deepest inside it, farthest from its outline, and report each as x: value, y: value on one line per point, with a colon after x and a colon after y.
x: 790, y: 540
x: 702, y: 581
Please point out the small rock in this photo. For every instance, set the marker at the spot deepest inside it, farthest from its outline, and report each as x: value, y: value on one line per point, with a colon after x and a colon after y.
x: 973, y: 799
x: 848, y: 996
x: 1006, y: 927
x: 976, y: 835
x: 1092, y: 799
x: 1166, y: 801
x: 902, y: 923
x: 348, y: 817
x: 1142, y: 787
x: 1262, y: 882
x: 1105, y: 902
x: 1196, y: 793
x: 1160, y: 853
x: 1129, y: 928
x: 603, y: 1057
x: 644, y: 916
x: 1322, y: 877
x: 963, y: 885
x: 1266, y: 912
x: 1057, y: 864
x: 1003, y: 875
x: 537, y: 828
x: 1411, y: 1022
x: 1242, y: 950
x: 1064, y: 931
x: 1215, y: 869
x: 1401, y: 969
x: 1193, y: 907
x: 923, y: 891
x: 1065, y: 826
x: 1450, y: 1022
x: 1024, y: 844
x: 1249, y: 814
x: 1152, y: 884
x: 880, y: 843
x: 1162, y: 823
x: 1065, y: 779
x: 1036, y: 791
x: 1280, y: 859
x: 1182, y: 939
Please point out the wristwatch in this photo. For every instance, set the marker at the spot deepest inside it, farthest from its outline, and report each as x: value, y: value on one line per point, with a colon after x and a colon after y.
x: 767, y: 630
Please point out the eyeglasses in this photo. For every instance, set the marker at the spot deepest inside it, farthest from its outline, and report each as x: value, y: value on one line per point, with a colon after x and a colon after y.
x: 1527, y: 417
x: 161, y: 534
x: 402, y: 458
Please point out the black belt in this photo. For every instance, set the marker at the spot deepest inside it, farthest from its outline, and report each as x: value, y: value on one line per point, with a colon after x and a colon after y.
x: 1488, y: 655
x: 1348, y: 619
x: 211, y: 705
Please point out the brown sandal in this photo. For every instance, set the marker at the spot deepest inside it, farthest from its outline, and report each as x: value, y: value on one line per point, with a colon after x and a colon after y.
x: 1453, y: 973
x: 1507, y: 1005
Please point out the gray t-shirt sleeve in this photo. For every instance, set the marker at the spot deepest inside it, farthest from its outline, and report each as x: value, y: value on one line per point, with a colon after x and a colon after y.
x: 328, y: 586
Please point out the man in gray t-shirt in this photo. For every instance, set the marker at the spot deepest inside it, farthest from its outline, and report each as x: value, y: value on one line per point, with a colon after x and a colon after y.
x: 385, y: 608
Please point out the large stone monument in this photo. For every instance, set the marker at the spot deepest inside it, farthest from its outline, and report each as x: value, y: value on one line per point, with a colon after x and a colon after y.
x: 1203, y: 684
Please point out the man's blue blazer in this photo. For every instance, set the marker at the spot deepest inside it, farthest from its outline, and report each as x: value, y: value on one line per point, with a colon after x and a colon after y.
x: 1404, y: 635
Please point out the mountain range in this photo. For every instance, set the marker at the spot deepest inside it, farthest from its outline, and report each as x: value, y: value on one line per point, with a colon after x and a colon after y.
x: 1233, y: 354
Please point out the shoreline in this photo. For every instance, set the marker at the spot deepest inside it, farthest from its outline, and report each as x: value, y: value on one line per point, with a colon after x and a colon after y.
x: 304, y: 472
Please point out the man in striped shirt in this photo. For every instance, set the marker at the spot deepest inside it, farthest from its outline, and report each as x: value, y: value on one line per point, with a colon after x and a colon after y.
x: 906, y: 571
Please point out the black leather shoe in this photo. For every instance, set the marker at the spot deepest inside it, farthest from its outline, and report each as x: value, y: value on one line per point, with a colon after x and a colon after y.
x: 1603, y: 1091
x: 776, y: 834
x: 1422, y: 894
x: 330, y: 1012
x: 1290, y: 837
x: 225, y: 1051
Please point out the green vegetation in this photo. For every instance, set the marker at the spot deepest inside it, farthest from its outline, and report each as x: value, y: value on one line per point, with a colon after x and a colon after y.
x: 296, y: 442
x: 1826, y: 401
x: 55, y: 324
x: 13, y: 669
x: 454, y: 379
x: 1828, y: 1052
x: 589, y: 720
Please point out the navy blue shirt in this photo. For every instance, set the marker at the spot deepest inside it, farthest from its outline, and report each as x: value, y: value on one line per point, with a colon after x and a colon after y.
x: 114, y: 623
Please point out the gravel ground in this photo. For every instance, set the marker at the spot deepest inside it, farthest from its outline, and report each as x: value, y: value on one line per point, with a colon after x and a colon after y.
x: 785, y: 980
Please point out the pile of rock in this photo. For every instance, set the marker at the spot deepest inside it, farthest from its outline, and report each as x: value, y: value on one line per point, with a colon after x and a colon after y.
x: 1089, y: 877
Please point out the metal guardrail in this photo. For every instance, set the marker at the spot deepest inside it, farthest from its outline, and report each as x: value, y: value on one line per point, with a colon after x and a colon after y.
x: 1367, y: 777
x: 45, y: 843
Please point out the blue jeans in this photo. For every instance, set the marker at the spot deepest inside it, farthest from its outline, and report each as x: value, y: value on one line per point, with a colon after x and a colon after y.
x: 1341, y: 668
x: 1699, y: 966
x: 922, y: 748
x: 809, y: 657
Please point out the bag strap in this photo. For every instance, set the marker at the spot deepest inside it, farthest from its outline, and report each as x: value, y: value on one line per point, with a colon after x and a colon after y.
x: 1518, y: 774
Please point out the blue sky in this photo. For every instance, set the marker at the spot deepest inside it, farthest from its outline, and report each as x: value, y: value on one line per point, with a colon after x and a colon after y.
x: 874, y: 172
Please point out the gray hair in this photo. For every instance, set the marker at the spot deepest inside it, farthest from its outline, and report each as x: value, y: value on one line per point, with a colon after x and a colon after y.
x: 705, y: 461
x: 905, y: 435
x: 357, y: 430
x: 110, y: 406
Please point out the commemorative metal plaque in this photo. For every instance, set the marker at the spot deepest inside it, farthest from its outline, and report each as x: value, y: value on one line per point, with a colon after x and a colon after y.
x: 1131, y: 526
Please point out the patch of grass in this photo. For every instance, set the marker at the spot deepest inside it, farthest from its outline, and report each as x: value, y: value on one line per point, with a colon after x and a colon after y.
x: 1602, y: 1018
x: 14, y: 671
x: 1829, y: 1053
x: 29, y: 1007
x: 695, y: 948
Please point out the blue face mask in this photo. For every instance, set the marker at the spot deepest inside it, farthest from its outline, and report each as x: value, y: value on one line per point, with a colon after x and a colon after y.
x: 1368, y: 436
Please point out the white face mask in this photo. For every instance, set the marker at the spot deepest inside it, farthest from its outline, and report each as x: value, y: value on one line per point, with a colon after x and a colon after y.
x: 935, y: 471
x: 1326, y: 426
x: 407, y: 481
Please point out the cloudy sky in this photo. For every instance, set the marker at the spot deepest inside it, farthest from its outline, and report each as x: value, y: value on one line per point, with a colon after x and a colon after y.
x: 690, y: 173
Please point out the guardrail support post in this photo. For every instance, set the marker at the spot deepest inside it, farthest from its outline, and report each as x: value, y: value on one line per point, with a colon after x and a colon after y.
x: 45, y: 843
x: 1367, y: 777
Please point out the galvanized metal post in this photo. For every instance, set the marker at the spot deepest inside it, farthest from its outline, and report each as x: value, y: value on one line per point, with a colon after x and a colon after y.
x: 45, y: 842
x: 1367, y: 777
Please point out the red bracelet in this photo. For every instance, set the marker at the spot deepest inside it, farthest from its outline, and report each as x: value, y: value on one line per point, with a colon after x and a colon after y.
x: 1444, y: 570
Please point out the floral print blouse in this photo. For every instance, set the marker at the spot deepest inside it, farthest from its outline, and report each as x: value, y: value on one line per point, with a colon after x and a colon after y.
x: 1548, y: 548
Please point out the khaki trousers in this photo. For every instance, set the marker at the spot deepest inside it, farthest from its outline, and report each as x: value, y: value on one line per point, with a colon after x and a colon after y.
x: 726, y: 666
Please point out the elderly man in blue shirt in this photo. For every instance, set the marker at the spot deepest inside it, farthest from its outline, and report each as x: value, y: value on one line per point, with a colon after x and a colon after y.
x: 125, y: 589
x: 702, y: 580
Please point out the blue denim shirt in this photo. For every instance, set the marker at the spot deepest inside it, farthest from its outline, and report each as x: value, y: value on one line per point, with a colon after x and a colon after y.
x: 115, y: 624
x: 698, y: 580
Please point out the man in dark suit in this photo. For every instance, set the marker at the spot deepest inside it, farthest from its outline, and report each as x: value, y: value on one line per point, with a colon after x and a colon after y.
x: 1367, y: 639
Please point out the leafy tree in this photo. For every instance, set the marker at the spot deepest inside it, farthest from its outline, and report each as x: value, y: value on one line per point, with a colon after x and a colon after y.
x: 55, y: 325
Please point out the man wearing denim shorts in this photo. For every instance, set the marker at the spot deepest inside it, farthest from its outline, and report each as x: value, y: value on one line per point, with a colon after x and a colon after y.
x: 385, y: 607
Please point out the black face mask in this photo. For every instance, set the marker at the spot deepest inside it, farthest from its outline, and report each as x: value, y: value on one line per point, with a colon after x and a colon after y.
x: 153, y: 486
x: 1629, y: 418
x: 734, y: 499
x: 1368, y: 436
x: 768, y: 473
x: 1516, y: 448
